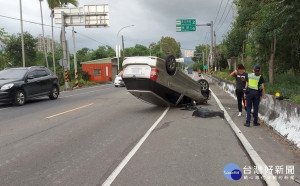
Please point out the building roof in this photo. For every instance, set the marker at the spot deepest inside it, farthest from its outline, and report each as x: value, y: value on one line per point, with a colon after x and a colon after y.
x: 97, y: 61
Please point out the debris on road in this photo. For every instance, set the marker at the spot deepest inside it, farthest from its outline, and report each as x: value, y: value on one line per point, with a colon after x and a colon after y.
x: 203, y: 112
x: 206, y: 113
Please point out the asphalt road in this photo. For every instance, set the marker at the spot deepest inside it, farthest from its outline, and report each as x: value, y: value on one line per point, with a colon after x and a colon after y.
x: 83, y: 136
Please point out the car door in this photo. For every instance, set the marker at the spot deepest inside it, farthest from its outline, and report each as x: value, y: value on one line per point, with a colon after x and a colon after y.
x: 49, y: 81
x: 44, y: 81
x: 32, y: 84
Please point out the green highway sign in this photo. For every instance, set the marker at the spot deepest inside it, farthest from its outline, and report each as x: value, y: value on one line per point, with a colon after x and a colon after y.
x: 205, y: 67
x: 185, y: 25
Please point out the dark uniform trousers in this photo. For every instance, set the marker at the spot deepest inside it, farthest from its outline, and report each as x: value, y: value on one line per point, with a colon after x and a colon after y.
x: 253, y: 98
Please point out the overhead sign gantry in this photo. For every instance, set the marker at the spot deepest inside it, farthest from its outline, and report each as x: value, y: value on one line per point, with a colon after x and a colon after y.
x: 90, y: 16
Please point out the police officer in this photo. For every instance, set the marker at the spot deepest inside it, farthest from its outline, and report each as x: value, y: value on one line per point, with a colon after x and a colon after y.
x: 256, y: 88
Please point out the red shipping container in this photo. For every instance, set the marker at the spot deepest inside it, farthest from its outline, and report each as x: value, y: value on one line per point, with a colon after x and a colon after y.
x: 99, y: 72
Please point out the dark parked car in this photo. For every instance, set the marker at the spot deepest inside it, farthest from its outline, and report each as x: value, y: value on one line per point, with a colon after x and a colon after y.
x: 20, y: 84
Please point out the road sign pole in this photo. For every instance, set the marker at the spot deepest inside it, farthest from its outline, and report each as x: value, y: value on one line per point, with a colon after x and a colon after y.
x: 64, y: 49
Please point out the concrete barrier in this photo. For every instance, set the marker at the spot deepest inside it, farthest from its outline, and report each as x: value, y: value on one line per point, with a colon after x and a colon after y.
x: 282, y: 116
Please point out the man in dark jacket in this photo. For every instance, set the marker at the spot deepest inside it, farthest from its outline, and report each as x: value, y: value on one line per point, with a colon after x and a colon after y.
x: 240, y: 80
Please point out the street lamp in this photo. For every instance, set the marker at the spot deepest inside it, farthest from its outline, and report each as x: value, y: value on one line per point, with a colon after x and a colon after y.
x: 123, y: 28
x: 117, y: 52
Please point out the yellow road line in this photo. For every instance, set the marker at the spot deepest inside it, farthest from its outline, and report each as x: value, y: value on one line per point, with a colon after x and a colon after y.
x: 69, y: 111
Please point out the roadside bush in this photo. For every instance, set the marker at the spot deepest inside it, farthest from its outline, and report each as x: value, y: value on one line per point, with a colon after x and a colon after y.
x: 83, y: 75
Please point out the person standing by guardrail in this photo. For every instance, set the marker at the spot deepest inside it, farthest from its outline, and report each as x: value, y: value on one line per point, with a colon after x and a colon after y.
x: 255, y: 82
x: 240, y: 80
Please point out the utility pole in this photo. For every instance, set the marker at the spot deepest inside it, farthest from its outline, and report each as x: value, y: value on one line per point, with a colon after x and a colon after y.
x: 118, y: 56
x: 123, y: 47
x: 211, y: 45
x: 75, y: 60
x: 45, y: 52
x: 214, y: 48
x: 211, y: 24
x: 203, y: 59
x: 22, y: 35
x: 53, y: 55
x: 118, y: 47
x: 65, y: 59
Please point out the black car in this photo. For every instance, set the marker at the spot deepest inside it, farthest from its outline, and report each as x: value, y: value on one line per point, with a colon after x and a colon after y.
x: 20, y: 84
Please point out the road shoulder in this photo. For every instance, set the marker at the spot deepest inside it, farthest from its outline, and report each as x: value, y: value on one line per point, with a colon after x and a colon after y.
x: 270, y: 147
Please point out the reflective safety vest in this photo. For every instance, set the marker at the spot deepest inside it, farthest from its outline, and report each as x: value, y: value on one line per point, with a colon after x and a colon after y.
x: 253, y: 81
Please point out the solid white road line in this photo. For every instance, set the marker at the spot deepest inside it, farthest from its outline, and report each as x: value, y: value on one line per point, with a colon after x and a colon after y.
x: 4, y: 108
x: 252, y: 153
x: 117, y: 171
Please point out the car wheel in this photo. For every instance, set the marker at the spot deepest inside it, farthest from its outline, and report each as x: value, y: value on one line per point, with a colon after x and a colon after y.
x: 54, y: 93
x: 170, y: 64
x: 19, y: 98
x: 204, y: 85
x: 116, y: 85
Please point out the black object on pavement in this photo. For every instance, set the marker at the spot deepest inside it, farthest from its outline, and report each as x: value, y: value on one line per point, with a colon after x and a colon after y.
x: 206, y: 113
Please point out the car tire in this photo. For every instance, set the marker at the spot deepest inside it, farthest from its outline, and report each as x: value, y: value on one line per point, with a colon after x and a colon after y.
x: 19, y: 98
x: 204, y: 85
x: 170, y: 64
x: 116, y: 85
x: 53, y: 93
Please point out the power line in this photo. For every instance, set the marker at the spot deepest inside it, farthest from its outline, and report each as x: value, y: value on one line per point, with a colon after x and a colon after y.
x: 226, y: 30
x: 224, y: 20
x: 50, y: 26
x: 222, y: 14
x: 218, y: 11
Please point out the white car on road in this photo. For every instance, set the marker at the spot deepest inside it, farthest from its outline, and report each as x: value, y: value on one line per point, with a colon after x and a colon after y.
x: 159, y: 82
x: 119, y: 81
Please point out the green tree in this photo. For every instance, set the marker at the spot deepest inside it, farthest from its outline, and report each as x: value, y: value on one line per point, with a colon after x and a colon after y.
x: 246, y: 10
x: 168, y: 45
x: 137, y: 50
x: 14, y: 50
x: 3, y: 40
x: 198, y: 53
x: 267, y: 31
x: 155, y: 50
x: 83, y: 54
x: 99, y: 53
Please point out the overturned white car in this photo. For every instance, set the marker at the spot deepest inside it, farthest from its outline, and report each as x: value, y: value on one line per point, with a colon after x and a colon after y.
x: 159, y: 82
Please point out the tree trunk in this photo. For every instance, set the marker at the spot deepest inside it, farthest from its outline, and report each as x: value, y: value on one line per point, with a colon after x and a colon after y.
x: 295, y: 63
x: 243, y: 52
x: 271, y: 61
x: 235, y: 62
x: 229, y: 64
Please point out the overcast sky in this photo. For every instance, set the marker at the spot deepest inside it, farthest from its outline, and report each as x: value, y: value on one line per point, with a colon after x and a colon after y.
x: 152, y: 19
